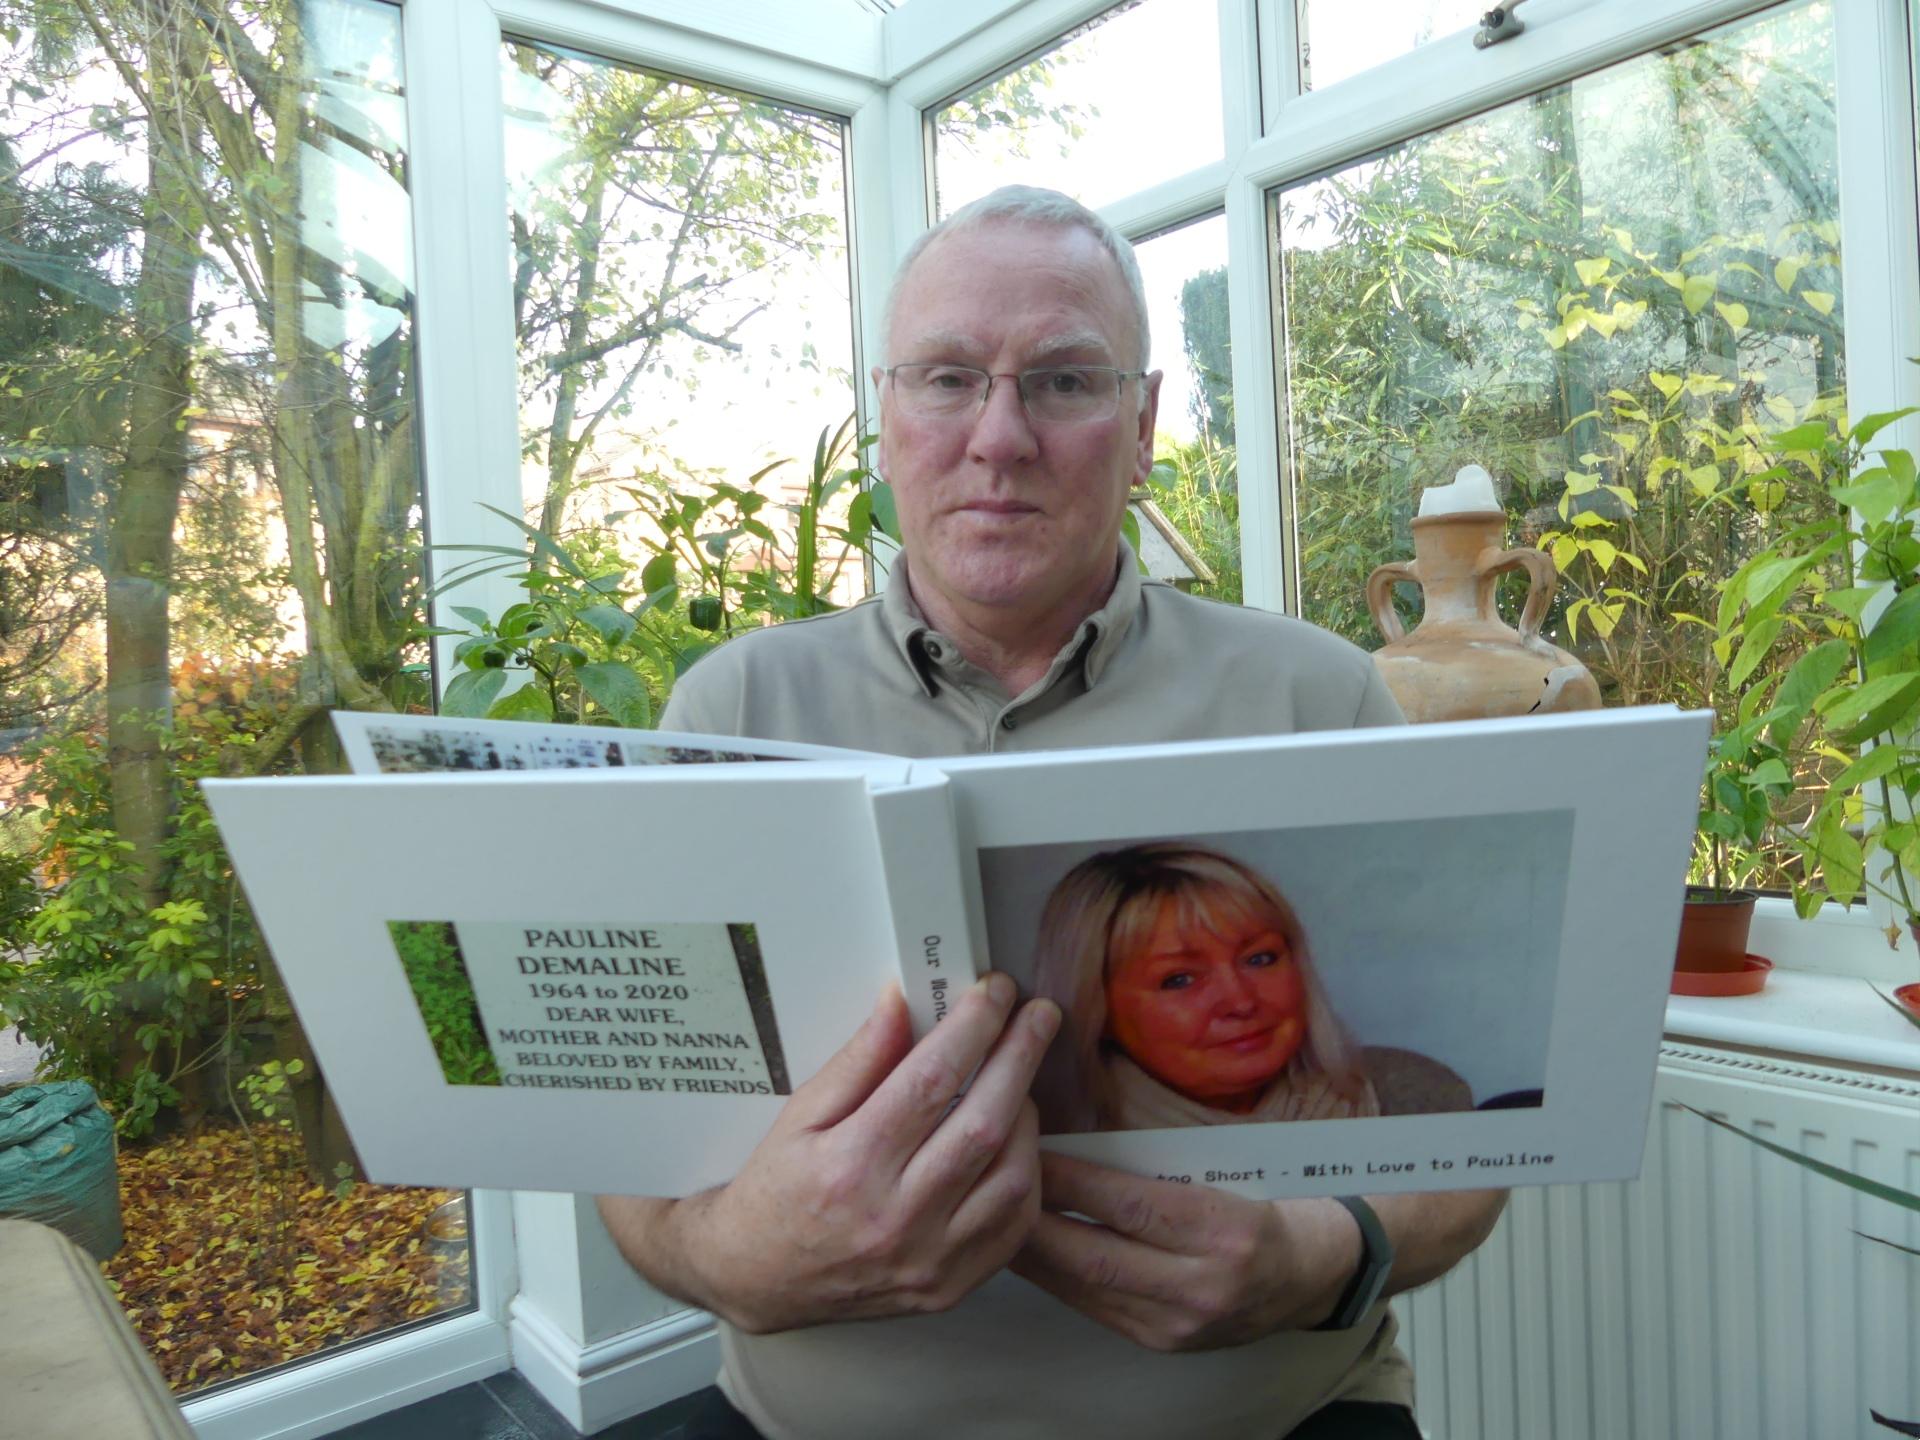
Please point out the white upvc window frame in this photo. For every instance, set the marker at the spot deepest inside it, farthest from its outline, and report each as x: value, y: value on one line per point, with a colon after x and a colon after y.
x: 885, y: 74
x: 597, y: 1351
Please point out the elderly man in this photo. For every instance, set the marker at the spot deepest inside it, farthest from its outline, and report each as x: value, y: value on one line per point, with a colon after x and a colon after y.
x: 888, y: 1262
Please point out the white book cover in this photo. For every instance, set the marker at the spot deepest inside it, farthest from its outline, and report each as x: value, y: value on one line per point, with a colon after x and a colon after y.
x: 1443, y: 949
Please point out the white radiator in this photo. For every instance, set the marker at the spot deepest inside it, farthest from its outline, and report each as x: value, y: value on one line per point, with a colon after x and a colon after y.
x: 1722, y: 1296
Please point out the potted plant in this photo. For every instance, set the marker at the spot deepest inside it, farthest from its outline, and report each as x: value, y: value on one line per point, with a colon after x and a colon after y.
x: 1746, y: 772
x: 1841, y: 587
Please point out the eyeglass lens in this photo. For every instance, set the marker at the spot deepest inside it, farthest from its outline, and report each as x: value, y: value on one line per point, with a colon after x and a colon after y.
x: 1054, y: 393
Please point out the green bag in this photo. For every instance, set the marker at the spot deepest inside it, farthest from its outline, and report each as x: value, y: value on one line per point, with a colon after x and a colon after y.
x: 57, y: 1164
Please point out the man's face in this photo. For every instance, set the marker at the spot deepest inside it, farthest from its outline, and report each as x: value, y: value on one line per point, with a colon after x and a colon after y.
x: 1000, y: 513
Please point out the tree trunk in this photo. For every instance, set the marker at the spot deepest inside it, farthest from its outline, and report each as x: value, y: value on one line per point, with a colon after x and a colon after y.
x: 139, y: 549
x: 563, y: 453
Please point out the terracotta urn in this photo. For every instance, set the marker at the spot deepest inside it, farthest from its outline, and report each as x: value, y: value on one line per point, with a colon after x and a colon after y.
x: 1462, y: 661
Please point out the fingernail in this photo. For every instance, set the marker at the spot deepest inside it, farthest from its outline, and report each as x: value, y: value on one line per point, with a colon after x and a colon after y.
x: 1045, y: 1019
x: 999, y: 988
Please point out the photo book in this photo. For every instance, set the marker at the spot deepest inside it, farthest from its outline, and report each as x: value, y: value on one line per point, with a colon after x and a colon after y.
x: 548, y: 957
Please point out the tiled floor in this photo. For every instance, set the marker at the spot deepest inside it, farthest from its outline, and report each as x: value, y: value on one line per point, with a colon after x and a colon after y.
x: 505, y: 1407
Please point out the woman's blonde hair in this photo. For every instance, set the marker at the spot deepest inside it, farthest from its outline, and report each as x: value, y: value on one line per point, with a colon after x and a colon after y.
x: 1101, y: 915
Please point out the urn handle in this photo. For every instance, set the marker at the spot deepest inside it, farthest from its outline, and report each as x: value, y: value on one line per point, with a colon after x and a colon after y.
x: 1380, y: 596
x: 1543, y: 578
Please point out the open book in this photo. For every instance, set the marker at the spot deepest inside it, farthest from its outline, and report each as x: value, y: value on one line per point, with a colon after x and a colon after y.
x: 560, y: 958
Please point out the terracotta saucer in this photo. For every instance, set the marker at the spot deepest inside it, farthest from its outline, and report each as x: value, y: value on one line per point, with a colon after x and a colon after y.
x: 1745, y: 981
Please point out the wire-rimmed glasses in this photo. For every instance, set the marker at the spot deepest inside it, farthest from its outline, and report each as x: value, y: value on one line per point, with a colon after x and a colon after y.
x: 1052, y: 394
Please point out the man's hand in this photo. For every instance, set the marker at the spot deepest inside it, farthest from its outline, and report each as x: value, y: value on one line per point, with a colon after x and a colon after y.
x: 1188, y: 1267
x: 874, y: 1194
x: 1185, y: 1267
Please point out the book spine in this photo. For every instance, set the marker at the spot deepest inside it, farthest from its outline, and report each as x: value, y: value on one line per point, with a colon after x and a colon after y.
x: 920, y: 860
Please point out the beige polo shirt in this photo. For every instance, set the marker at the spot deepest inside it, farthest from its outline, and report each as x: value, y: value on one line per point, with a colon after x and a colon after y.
x: 1010, y: 1361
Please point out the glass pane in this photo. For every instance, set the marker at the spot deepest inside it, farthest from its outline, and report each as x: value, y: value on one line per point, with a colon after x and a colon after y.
x: 1604, y: 294
x: 1192, y: 534
x: 209, y: 535
x: 1338, y: 38
x: 683, y: 311
x: 1095, y: 115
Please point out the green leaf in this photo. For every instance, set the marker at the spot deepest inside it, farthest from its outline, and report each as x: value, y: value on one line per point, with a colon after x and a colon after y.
x: 1852, y: 602
x: 1904, y: 1199
x: 542, y: 542
x: 472, y: 615
x: 1809, y: 678
x: 1871, y: 708
x: 1819, y: 300
x: 1695, y: 292
x: 609, y: 622
x: 616, y: 689
x: 1768, y: 772
x: 1733, y: 312
x: 1875, y: 493
x: 659, y: 572
x: 1786, y: 271
x: 1868, y: 426
x: 1753, y: 649
x: 1841, y: 861
x: 1895, y: 631
x: 1590, y: 271
x: 886, y: 514
x: 1810, y: 436
x: 1667, y: 385
x: 1912, y: 1019
x: 469, y: 694
x: 1880, y: 760
x: 529, y: 702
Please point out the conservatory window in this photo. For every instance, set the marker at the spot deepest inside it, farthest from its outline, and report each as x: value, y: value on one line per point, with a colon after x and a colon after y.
x: 1339, y: 40
x: 209, y: 537
x: 1195, y: 480
x: 682, y: 305
x: 1095, y: 115
x: 1604, y: 293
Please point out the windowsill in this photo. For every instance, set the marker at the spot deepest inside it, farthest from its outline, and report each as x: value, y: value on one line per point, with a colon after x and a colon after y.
x: 1820, y: 1017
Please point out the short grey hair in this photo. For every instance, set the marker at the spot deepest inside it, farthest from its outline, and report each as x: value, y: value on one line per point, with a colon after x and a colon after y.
x: 1030, y: 205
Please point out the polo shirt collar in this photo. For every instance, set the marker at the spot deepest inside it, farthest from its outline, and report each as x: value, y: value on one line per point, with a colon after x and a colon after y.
x: 1095, y: 642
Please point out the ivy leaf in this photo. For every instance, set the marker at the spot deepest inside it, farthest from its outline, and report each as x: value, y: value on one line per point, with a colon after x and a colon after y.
x: 1697, y: 290
x: 1786, y: 271
x: 1733, y: 312
x: 1819, y: 300
x: 1590, y: 271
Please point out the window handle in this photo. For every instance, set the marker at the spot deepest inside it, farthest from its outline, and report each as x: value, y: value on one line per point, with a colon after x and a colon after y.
x: 1499, y: 23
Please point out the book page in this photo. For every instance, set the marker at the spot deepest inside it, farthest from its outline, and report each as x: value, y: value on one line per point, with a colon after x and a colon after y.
x: 1380, y: 960
x: 381, y: 744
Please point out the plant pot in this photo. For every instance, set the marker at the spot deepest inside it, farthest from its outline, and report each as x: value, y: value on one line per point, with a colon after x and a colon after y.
x: 1909, y: 996
x: 1714, y: 925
